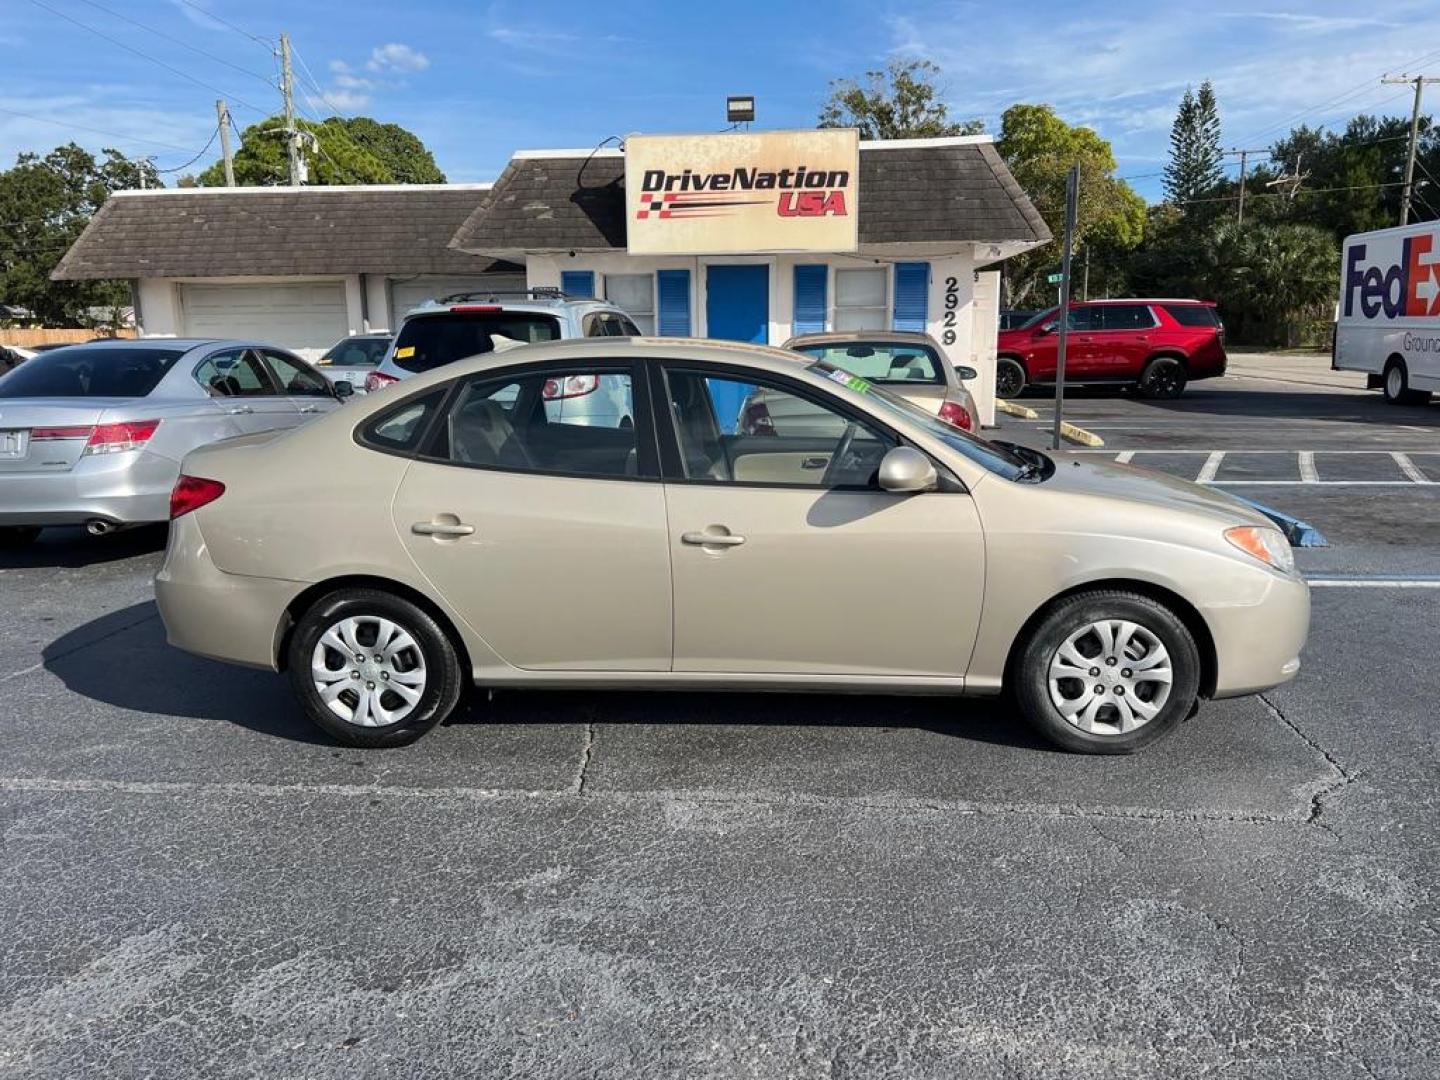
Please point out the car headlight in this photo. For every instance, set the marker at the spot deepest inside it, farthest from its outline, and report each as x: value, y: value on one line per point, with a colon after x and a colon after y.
x: 1267, y: 545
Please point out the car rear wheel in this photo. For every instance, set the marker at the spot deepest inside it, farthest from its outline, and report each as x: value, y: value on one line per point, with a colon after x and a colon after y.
x: 1164, y: 379
x: 1009, y: 377
x: 1107, y: 672
x: 1396, y: 384
x: 373, y: 669
x: 15, y: 537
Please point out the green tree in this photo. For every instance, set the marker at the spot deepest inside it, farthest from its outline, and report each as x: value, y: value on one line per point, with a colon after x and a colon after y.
x: 1039, y: 149
x: 901, y: 102
x: 46, y: 203
x: 357, y: 150
x: 1193, y: 171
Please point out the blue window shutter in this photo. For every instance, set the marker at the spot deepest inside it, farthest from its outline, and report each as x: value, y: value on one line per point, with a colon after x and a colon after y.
x: 912, y: 296
x: 578, y: 283
x: 672, y: 301
x: 810, y: 299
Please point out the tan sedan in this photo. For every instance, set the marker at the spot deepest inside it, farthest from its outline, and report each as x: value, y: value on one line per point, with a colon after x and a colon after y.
x: 451, y: 531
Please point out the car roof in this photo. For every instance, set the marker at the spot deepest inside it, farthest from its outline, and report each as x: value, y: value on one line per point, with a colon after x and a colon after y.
x: 545, y: 305
x: 839, y: 337
x: 1146, y: 300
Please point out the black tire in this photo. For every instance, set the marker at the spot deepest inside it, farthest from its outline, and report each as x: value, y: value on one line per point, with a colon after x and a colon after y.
x: 1163, y: 379
x: 443, y: 676
x: 1010, y: 377
x: 1030, y: 680
x: 1396, y: 385
x: 16, y: 537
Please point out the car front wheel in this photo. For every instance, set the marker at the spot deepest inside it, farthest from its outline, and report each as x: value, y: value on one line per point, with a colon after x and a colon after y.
x: 1009, y: 377
x: 1107, y: 672
x: 373, y: 669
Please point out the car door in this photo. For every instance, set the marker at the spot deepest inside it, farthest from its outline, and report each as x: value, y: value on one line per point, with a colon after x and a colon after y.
x: 787, y: 557
x: 549, y: 538
x: 244, y: 388
x: 1082, y: 347
x: 309, y: 393
x: 1125, y: 340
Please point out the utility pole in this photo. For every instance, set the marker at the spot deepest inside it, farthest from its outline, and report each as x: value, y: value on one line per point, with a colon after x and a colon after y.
x: 222, y: 117
x: 1072, y: 202
x: 144, y: 173
x: 1244, y: 155
x: 1085, y: 278
x: 1419, y: 82
x: 292, y: 133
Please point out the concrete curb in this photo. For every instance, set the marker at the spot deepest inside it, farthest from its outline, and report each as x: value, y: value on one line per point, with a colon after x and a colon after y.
x: 1011, y: 409
x: 1080, y: 435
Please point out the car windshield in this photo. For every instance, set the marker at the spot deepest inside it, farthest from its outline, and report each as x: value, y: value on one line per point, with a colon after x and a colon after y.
x: 429, y: 341
x: 357, y: 352
x: 885, y: 362
x: 985, y: 454
x: 90, y: 371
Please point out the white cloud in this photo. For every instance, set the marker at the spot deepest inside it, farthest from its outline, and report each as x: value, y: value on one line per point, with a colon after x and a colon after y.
x: 397, y: 59
x: 353, y: 82
x: 338, y: 100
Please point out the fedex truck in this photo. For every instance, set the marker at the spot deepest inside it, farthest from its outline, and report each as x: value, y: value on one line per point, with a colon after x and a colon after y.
x: 1389, y: 314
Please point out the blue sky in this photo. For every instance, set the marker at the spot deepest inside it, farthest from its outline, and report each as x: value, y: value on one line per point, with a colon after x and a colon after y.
x: 476, y: 80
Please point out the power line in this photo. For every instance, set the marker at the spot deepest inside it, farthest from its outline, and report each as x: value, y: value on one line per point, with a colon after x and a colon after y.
x: 143, y: 55
x: 178, y: 41
x: 179, y: 168
x: 268, y: 44
x: 94, y: 130
x: 1288, y: 195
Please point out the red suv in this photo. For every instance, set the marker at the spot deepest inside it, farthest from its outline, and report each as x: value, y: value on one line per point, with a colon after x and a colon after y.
x: 1157, y: 346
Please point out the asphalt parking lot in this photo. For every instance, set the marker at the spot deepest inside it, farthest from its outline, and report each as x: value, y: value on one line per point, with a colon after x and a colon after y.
x: 195, y: 882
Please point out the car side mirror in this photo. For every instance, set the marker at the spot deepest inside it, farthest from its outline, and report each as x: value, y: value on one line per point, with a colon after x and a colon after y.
x: 344, y: 388
x: 1047, y: 328
x: 906, y: 471
x: 964, y: 374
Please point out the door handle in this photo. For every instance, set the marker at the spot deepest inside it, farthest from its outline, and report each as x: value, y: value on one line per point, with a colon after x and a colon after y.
x: 309, y: 408
x: 711, y: 539
x: 814, y: 462
x: 241, y: 410
x: 441, y: 528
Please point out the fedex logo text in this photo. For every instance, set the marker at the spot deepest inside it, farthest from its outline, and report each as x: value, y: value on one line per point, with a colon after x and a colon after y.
x: 1407, y: 288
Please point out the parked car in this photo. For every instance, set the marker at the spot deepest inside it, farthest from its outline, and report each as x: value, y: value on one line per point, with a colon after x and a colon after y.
x: 910, y: 365
x: 353, y: 358
x: 1156, y: 346
x: 12, y: 356
x: 93, y: 434
x: 1015, y: 318
x: 487, y: 543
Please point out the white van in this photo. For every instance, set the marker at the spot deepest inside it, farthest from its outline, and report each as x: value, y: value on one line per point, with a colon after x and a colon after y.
x: 1388, y: 324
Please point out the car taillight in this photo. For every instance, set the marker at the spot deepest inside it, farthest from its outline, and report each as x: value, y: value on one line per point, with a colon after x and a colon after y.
x: 756, y: 420
x: 570, y: 386
x: 191, y: 493
x: 475, y: 307
x: 377, y: 380
x: 118, y: 438
x: 955, y: 414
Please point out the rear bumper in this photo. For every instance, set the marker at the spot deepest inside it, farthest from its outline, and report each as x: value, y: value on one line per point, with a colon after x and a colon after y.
x: 123, y: 489
x: 222, y: 616
x: 1258, y: 645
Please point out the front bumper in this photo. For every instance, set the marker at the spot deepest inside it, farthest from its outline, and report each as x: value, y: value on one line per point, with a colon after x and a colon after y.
x: 1258, y: 645
x: 123, y: 489
x: 222, y: 616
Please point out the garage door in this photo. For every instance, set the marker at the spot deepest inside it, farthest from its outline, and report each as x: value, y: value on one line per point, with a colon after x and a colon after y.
x: 307, y: 317
x: 407, y: 294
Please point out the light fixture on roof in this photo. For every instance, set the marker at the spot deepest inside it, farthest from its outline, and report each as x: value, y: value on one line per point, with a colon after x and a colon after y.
x: 740, y: 110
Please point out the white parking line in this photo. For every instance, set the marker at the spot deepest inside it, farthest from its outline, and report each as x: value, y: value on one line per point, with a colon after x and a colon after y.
x: 1373, y: 583
x: 1306, y: 461
x: 1123, y: 458
x: 1408, y: 467
x: 1211, y: 467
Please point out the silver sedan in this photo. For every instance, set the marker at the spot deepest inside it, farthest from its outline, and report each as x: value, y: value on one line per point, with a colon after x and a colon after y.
x: 93, y: 434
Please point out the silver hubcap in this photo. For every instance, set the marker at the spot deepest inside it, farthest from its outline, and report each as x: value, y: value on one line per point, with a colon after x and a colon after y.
x: 1393, y: 382
x: 1110, y: 677
x: 369, y: 671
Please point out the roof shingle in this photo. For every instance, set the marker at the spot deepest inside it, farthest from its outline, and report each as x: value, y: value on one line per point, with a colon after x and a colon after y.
x: 279, y: 232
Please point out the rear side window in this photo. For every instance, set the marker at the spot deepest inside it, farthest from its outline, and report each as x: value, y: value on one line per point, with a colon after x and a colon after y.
x: 1125, y: 317
x: 402, y: 427
x: 882, y: 362
x: 98, y: 371
x: 430, y: 341
x: 1193, y: 314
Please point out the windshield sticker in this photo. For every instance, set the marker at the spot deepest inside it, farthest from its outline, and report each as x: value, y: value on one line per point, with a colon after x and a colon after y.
x: 854, y: 382
x: 405, y: 353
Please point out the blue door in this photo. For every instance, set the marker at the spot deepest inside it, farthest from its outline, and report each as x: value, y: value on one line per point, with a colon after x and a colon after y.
x: 737, y: 308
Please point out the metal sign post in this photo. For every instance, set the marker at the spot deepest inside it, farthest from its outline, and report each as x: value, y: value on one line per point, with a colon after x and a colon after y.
x: 1072, y: 195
